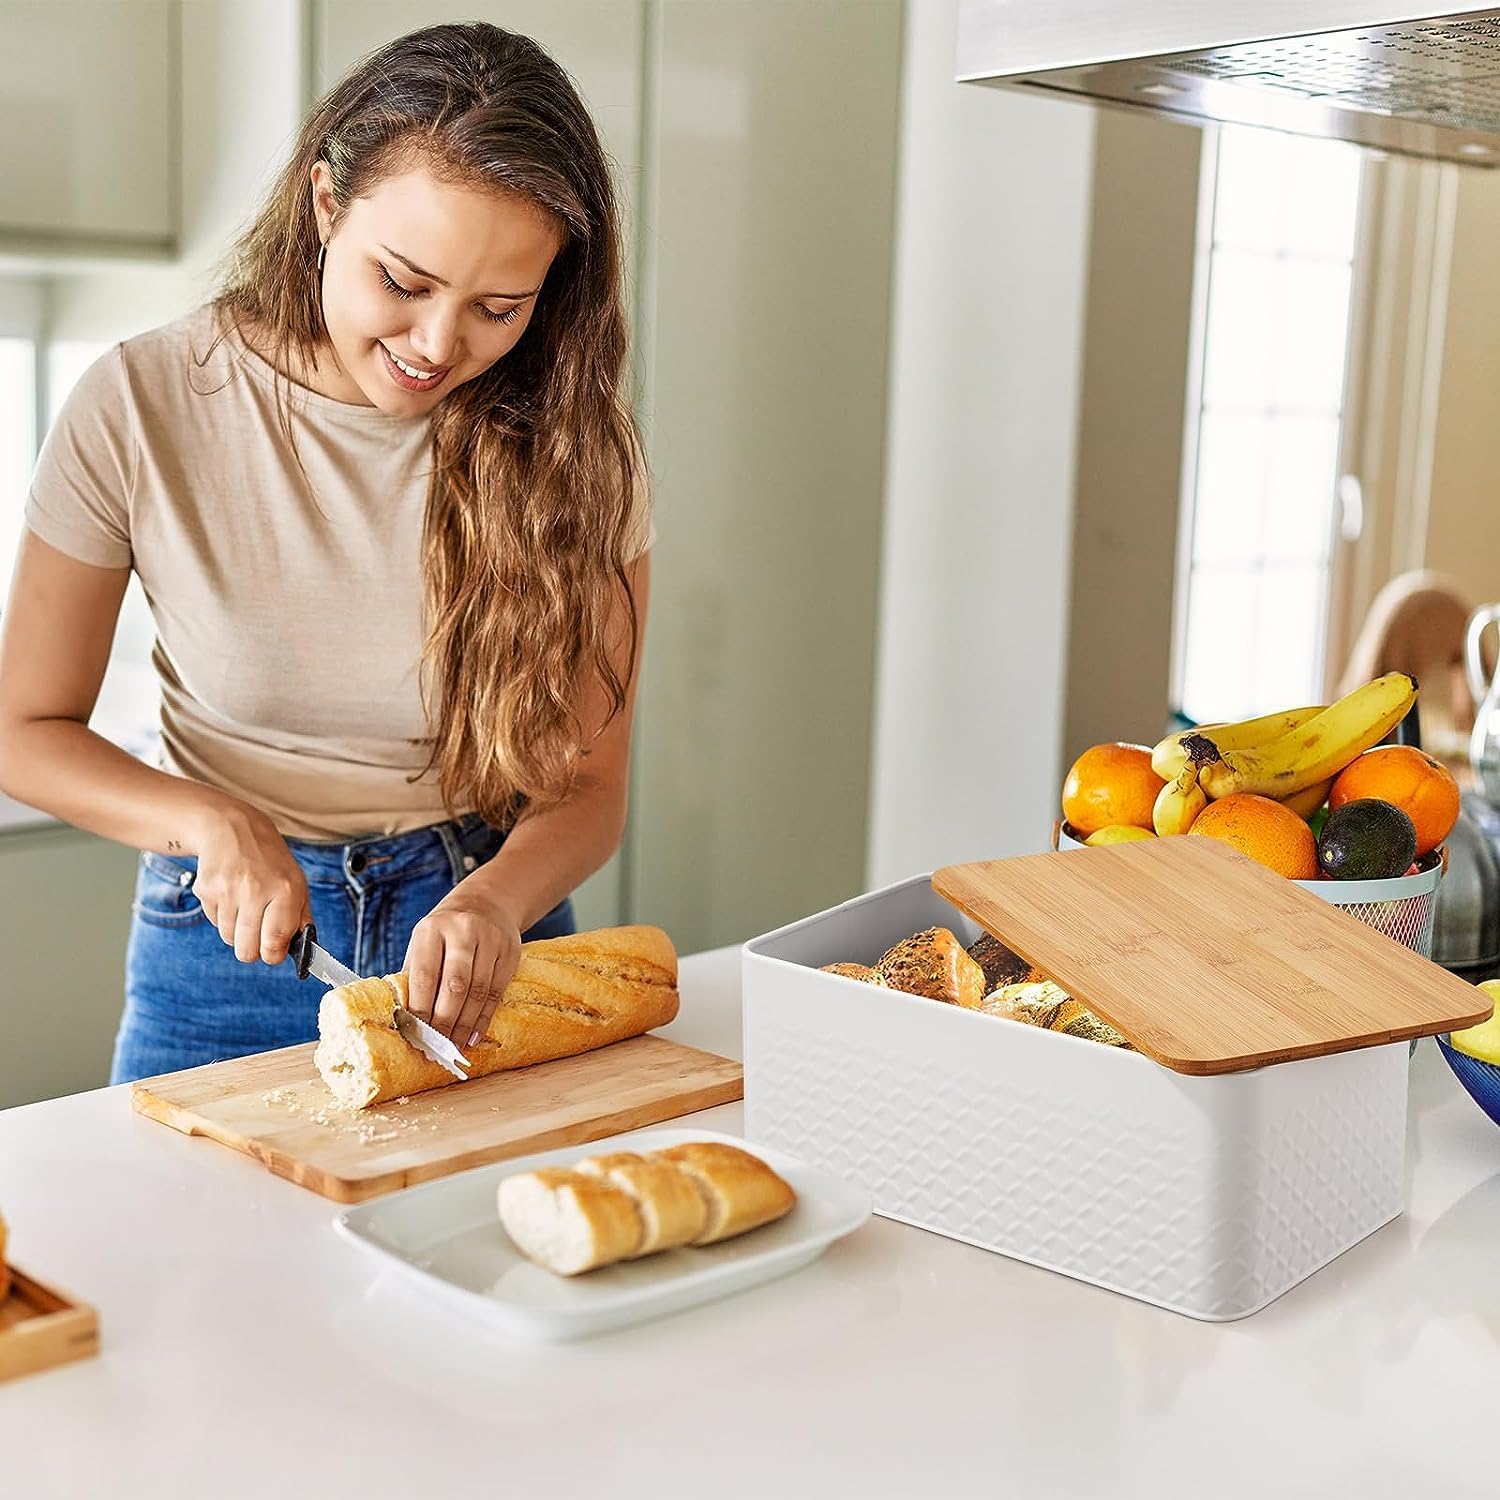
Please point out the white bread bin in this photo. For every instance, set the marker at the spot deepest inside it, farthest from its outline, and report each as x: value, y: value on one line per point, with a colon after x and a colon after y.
x: 1210, y: 1196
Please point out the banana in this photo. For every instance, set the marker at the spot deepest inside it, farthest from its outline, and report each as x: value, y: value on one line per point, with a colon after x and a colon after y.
x: 1316, y: 750
x: 1305, y: 804
x: 1178, y: 803
x: 1169, y: 756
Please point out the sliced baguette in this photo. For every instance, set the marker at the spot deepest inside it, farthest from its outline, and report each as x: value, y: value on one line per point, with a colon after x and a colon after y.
x: 569, y: 1222
x: 573, y: 1219
x: 671, y: 1207
x: 739, y: 1191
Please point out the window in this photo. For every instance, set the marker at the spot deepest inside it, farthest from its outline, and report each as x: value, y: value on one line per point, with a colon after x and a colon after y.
x: 66, y: 360
x: 20, y: 326
x: 35, y: 378
x: 1274, y: 269
x: 17, y: 437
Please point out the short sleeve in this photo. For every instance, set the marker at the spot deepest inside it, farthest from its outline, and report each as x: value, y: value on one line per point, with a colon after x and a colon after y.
x: 80, y: 492
x: 640, y: 529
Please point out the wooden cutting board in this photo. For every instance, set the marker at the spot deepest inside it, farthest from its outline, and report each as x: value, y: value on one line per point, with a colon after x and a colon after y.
x: 274, y: 1107
x: 1206, y: 960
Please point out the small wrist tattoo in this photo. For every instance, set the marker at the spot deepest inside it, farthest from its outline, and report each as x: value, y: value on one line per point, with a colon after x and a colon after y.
x: 174, y: 846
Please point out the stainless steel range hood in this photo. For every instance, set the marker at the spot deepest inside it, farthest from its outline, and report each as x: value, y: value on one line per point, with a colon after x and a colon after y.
x: 1402, y: 78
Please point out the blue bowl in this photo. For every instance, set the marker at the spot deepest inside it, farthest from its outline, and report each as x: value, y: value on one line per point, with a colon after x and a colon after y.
x: 1481, y: 1079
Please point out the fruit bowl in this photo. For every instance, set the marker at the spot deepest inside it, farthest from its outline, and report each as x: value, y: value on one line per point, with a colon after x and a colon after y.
x: 1481, y: 1080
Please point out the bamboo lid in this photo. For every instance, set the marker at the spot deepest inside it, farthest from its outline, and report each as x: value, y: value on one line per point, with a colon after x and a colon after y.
x: 1207, y: 961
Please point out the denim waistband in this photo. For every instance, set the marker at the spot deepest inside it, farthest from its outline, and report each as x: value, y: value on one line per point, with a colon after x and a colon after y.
x: 457, y: 847
x: 461, y: 844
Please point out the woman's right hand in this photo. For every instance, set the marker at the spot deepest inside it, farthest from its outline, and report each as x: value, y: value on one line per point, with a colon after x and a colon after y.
x: 252, y: 889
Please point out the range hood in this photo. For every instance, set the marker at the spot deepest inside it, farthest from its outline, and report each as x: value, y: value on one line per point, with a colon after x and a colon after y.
x: 1399, y: 78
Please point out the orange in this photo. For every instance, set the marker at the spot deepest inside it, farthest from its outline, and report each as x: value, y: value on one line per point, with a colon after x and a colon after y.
x: 1108, y: 785
x: 1265, y: 830
x: 1423, y: 788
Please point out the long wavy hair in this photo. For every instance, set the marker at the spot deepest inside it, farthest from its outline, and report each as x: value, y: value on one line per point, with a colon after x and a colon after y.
x: 536, y: 461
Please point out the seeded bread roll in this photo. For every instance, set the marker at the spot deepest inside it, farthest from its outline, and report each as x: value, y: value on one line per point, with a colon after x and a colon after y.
x: 569, y: 995
x: 4, y: 1269
x: 739, y: 1190
x: 1000, y: 965
x: 1034, y: 1004
x: 861, y: 972
x: 672, y: 1209
x: 1051, y: 1008
x: 933, y: 963
x: 1077, y: 1019
x: 569, y: 1222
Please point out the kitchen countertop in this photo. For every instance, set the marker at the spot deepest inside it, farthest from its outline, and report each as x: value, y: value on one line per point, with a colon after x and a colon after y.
x: 247, y: 1351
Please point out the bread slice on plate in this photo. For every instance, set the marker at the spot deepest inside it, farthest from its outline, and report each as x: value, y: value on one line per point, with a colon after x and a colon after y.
x: 669, y: 1202
x: 623, y: 1205
x: 739, y: 1190
x: 569, y: 1221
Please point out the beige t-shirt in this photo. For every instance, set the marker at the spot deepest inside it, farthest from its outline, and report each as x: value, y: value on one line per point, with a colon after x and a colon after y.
x: 288, y: 624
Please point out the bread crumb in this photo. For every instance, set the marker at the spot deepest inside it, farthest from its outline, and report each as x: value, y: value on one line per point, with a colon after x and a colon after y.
x: 371, y: 1127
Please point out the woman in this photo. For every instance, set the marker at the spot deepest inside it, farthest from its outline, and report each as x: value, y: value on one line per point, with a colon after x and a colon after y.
x: 386, y: 500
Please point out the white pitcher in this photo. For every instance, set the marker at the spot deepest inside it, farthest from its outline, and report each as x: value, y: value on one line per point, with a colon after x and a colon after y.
x: 1484, y: 744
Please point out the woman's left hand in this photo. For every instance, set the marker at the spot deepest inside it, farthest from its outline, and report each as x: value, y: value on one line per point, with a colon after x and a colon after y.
x: 462, y: 955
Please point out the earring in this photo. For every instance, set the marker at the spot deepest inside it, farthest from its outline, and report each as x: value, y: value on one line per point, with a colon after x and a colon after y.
x: 322, y: 251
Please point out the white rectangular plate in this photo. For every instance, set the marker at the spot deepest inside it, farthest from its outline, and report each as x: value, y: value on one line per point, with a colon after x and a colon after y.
x: 447, y: 1236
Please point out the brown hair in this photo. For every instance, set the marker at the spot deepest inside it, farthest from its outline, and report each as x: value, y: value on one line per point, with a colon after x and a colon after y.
x: 537, y: 459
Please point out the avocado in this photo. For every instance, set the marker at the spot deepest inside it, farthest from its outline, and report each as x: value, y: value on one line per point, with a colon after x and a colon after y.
x: 1367, y: 840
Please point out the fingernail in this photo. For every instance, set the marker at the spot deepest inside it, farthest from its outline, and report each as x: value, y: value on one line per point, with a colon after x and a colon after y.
x: 473, y: 1037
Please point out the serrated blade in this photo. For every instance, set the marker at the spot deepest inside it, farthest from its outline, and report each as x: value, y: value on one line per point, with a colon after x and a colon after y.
x: 321, y: 964
x: 430, y: 1042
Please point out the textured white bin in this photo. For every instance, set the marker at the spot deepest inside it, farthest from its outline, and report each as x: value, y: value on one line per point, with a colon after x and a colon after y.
x: 1210, y: 1196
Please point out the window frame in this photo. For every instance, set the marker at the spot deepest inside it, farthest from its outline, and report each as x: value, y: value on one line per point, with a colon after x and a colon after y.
x: 1398, y: 319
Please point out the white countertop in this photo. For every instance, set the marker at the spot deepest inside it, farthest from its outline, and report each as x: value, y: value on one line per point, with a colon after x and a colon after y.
x: 247, y: 1351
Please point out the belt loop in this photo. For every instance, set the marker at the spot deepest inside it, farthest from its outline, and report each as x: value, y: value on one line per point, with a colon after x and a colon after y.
x: 459, y: 862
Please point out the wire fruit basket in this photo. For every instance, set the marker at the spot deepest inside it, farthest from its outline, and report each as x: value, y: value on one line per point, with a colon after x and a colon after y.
x: 1401, y: 908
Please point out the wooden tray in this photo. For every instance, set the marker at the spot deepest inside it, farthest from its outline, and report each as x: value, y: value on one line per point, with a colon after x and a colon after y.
x: 274, y: 1107
x: 40, y: 1328
x: 1207, y: 961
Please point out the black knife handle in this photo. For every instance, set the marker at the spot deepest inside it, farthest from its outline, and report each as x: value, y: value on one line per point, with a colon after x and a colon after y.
x: 299, y: 949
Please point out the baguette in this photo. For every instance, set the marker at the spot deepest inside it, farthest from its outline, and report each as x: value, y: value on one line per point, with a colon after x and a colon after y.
x: 739, y: 1190
x: 672, y: 1209
x: 569, y: 1221
x: 699, y: 1193
x: 569, y: 995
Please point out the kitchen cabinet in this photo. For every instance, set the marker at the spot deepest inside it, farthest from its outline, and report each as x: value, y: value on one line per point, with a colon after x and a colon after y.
x: 90, y: 90
x: 64, y: 916
x: 756, y: 153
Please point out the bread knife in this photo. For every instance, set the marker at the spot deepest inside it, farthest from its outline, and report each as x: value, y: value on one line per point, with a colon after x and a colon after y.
x: 309, y: 958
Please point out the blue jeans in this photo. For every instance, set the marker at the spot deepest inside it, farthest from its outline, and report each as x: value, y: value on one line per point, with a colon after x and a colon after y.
x: 189, y: 1000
